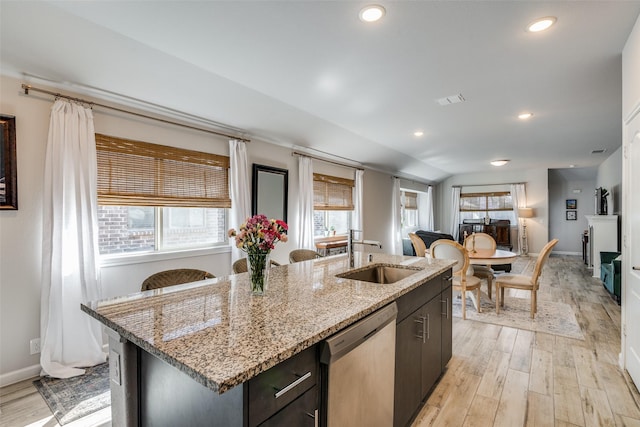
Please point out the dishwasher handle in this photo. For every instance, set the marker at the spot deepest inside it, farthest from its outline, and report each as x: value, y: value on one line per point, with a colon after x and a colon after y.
x: 346, y: 340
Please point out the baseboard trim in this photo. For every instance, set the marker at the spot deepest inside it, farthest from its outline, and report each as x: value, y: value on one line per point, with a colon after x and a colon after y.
x: 567, y: 253
x: 20, y: 375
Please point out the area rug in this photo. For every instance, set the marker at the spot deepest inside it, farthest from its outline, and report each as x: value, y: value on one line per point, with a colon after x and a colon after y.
x: 74, y: 398
x: 552, y: 317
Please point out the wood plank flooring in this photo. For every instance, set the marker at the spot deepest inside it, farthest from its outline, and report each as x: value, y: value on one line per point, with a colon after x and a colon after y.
x: 498, y: 376
x: 501, y: 376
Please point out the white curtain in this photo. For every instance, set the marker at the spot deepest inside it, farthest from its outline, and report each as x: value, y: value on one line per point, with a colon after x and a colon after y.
x: 425, y: 210
x: 70, y: 338
x: 519, y: 198
x: 455, y: 212
x: 305, y: 204
x: 240, y: 187
x: 356, y: 216
x: 396, y: 203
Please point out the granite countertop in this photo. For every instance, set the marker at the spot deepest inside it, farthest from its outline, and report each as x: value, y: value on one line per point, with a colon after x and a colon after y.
x: 220, y: 335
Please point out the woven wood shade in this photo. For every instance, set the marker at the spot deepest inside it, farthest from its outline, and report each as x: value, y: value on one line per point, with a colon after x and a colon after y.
x: 332, y: 193
x: 410, y: 201
x: 143, y: 174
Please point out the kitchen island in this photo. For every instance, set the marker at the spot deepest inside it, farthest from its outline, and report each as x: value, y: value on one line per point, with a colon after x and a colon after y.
x: 215, y: 335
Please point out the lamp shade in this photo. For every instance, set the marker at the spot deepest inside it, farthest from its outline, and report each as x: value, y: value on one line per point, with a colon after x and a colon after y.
x: 525, y: 212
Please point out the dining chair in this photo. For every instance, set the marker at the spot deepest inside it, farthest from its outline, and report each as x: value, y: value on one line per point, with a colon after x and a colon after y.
x: 418, y: 244
x: 240, y: 266
x: 482, y: 241
x: 462, y: 280
x: 298, y: 255
x: 521, y: 281
x: 174, y: 277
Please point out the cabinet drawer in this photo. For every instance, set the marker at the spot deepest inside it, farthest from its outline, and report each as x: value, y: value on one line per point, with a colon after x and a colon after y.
x: 272, y: 390
x: 300, y: 413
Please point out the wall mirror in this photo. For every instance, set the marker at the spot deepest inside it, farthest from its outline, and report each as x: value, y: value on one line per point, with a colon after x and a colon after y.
x: 270, y: 191
x: 8, y: 174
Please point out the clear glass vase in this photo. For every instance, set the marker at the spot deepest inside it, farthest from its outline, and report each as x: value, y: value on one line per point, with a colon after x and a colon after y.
x: 258, y: 265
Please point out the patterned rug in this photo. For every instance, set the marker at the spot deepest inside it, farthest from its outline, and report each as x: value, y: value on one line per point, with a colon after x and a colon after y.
x: 552, y: 317
x: 73, y: 398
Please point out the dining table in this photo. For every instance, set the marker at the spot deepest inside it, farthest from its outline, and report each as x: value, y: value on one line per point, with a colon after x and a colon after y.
x: 491, y: 257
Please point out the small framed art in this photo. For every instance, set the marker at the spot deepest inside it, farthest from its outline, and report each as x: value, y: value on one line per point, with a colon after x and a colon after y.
x: 572, y: 204
x: 572, y: 215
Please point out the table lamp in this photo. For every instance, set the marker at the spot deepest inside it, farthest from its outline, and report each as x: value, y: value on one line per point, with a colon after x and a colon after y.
x: 523, y: 214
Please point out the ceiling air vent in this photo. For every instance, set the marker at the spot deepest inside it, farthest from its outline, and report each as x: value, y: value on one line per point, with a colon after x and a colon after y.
x: 452, y: 99
x: 599, y: 151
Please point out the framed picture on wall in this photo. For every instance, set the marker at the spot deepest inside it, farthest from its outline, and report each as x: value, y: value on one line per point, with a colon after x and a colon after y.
x: 572, y: 204
x: 572, y: 215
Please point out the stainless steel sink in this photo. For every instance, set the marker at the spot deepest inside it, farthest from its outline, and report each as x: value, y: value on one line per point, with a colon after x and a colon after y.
x: 377, y: 273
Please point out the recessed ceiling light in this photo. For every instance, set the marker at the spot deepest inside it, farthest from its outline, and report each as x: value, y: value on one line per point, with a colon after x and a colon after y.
x: 371, y: 13
x: 525, y: 116
x: 500, y: 162
x: 541, y: 24
x: 418, y: 133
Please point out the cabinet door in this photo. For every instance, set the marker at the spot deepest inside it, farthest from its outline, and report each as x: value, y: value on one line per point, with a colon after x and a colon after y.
x: 301, y: 412
x: 432, y: 345
x: 407, y: 396
x: 447, y: 325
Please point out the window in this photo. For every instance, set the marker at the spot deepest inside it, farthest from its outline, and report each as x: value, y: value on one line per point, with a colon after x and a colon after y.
x: 332, y: 204
x: 157, y: 198
x: 483, y: 205
x: 409, y: 209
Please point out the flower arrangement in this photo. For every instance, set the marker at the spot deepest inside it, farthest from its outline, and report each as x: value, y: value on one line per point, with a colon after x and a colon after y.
x: 257, y: 236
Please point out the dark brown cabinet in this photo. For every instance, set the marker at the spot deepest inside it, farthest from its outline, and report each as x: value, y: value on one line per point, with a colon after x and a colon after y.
x: 286, y: 392
x: 423, y: 345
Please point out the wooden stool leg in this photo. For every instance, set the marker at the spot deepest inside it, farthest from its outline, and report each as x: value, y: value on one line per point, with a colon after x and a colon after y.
x: 497, y: 298
x: 464, y: 304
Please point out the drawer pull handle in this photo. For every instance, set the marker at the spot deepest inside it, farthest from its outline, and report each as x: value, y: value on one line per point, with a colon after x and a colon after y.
x: 293, y: 384
x: 636, y: 267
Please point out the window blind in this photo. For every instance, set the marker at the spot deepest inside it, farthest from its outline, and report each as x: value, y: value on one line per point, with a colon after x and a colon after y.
x: 144, y: 174
x: 410, y: 200
x: 332, y: 193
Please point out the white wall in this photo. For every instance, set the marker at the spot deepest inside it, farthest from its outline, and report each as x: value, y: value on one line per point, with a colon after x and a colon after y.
x: 21, y: 230
x: 610, y: 177
x: 569, y: 232
x: 537, y: 198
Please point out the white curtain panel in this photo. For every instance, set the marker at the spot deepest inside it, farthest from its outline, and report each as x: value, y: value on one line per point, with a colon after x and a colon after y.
x: 240, y: 187
x: 396, y: 204
x: 69, y: 337
x: 455, y: 212
x: 425, y: 210
x: 519, y: 198
x: 304, y: 222
x: 356, y: 216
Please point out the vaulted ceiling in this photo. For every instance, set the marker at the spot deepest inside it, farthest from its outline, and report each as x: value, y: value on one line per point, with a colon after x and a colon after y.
x: 310, y: 74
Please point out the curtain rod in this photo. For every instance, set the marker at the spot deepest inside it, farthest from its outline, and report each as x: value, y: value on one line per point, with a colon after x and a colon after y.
x: 28, y: 88
x: 485, y: 185
x: 413, y: 182
x: 295, y: 153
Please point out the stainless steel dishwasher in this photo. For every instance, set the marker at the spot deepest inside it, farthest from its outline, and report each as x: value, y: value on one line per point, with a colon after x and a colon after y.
x: 358, y: 366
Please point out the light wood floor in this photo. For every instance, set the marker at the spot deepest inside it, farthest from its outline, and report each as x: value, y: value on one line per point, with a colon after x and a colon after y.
x: 498, y: 376
x: 501, y: 376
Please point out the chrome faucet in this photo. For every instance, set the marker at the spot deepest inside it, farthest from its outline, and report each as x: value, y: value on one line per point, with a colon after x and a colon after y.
x: 351, y: 242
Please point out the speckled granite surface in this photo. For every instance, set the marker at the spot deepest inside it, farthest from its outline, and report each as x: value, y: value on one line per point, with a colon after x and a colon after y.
x: 219, y: 334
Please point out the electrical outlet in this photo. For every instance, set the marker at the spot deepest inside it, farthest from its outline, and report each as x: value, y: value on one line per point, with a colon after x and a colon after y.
x: 34, y: 346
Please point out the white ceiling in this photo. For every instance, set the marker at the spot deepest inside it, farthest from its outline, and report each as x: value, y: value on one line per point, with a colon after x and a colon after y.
x: 310, y: 74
